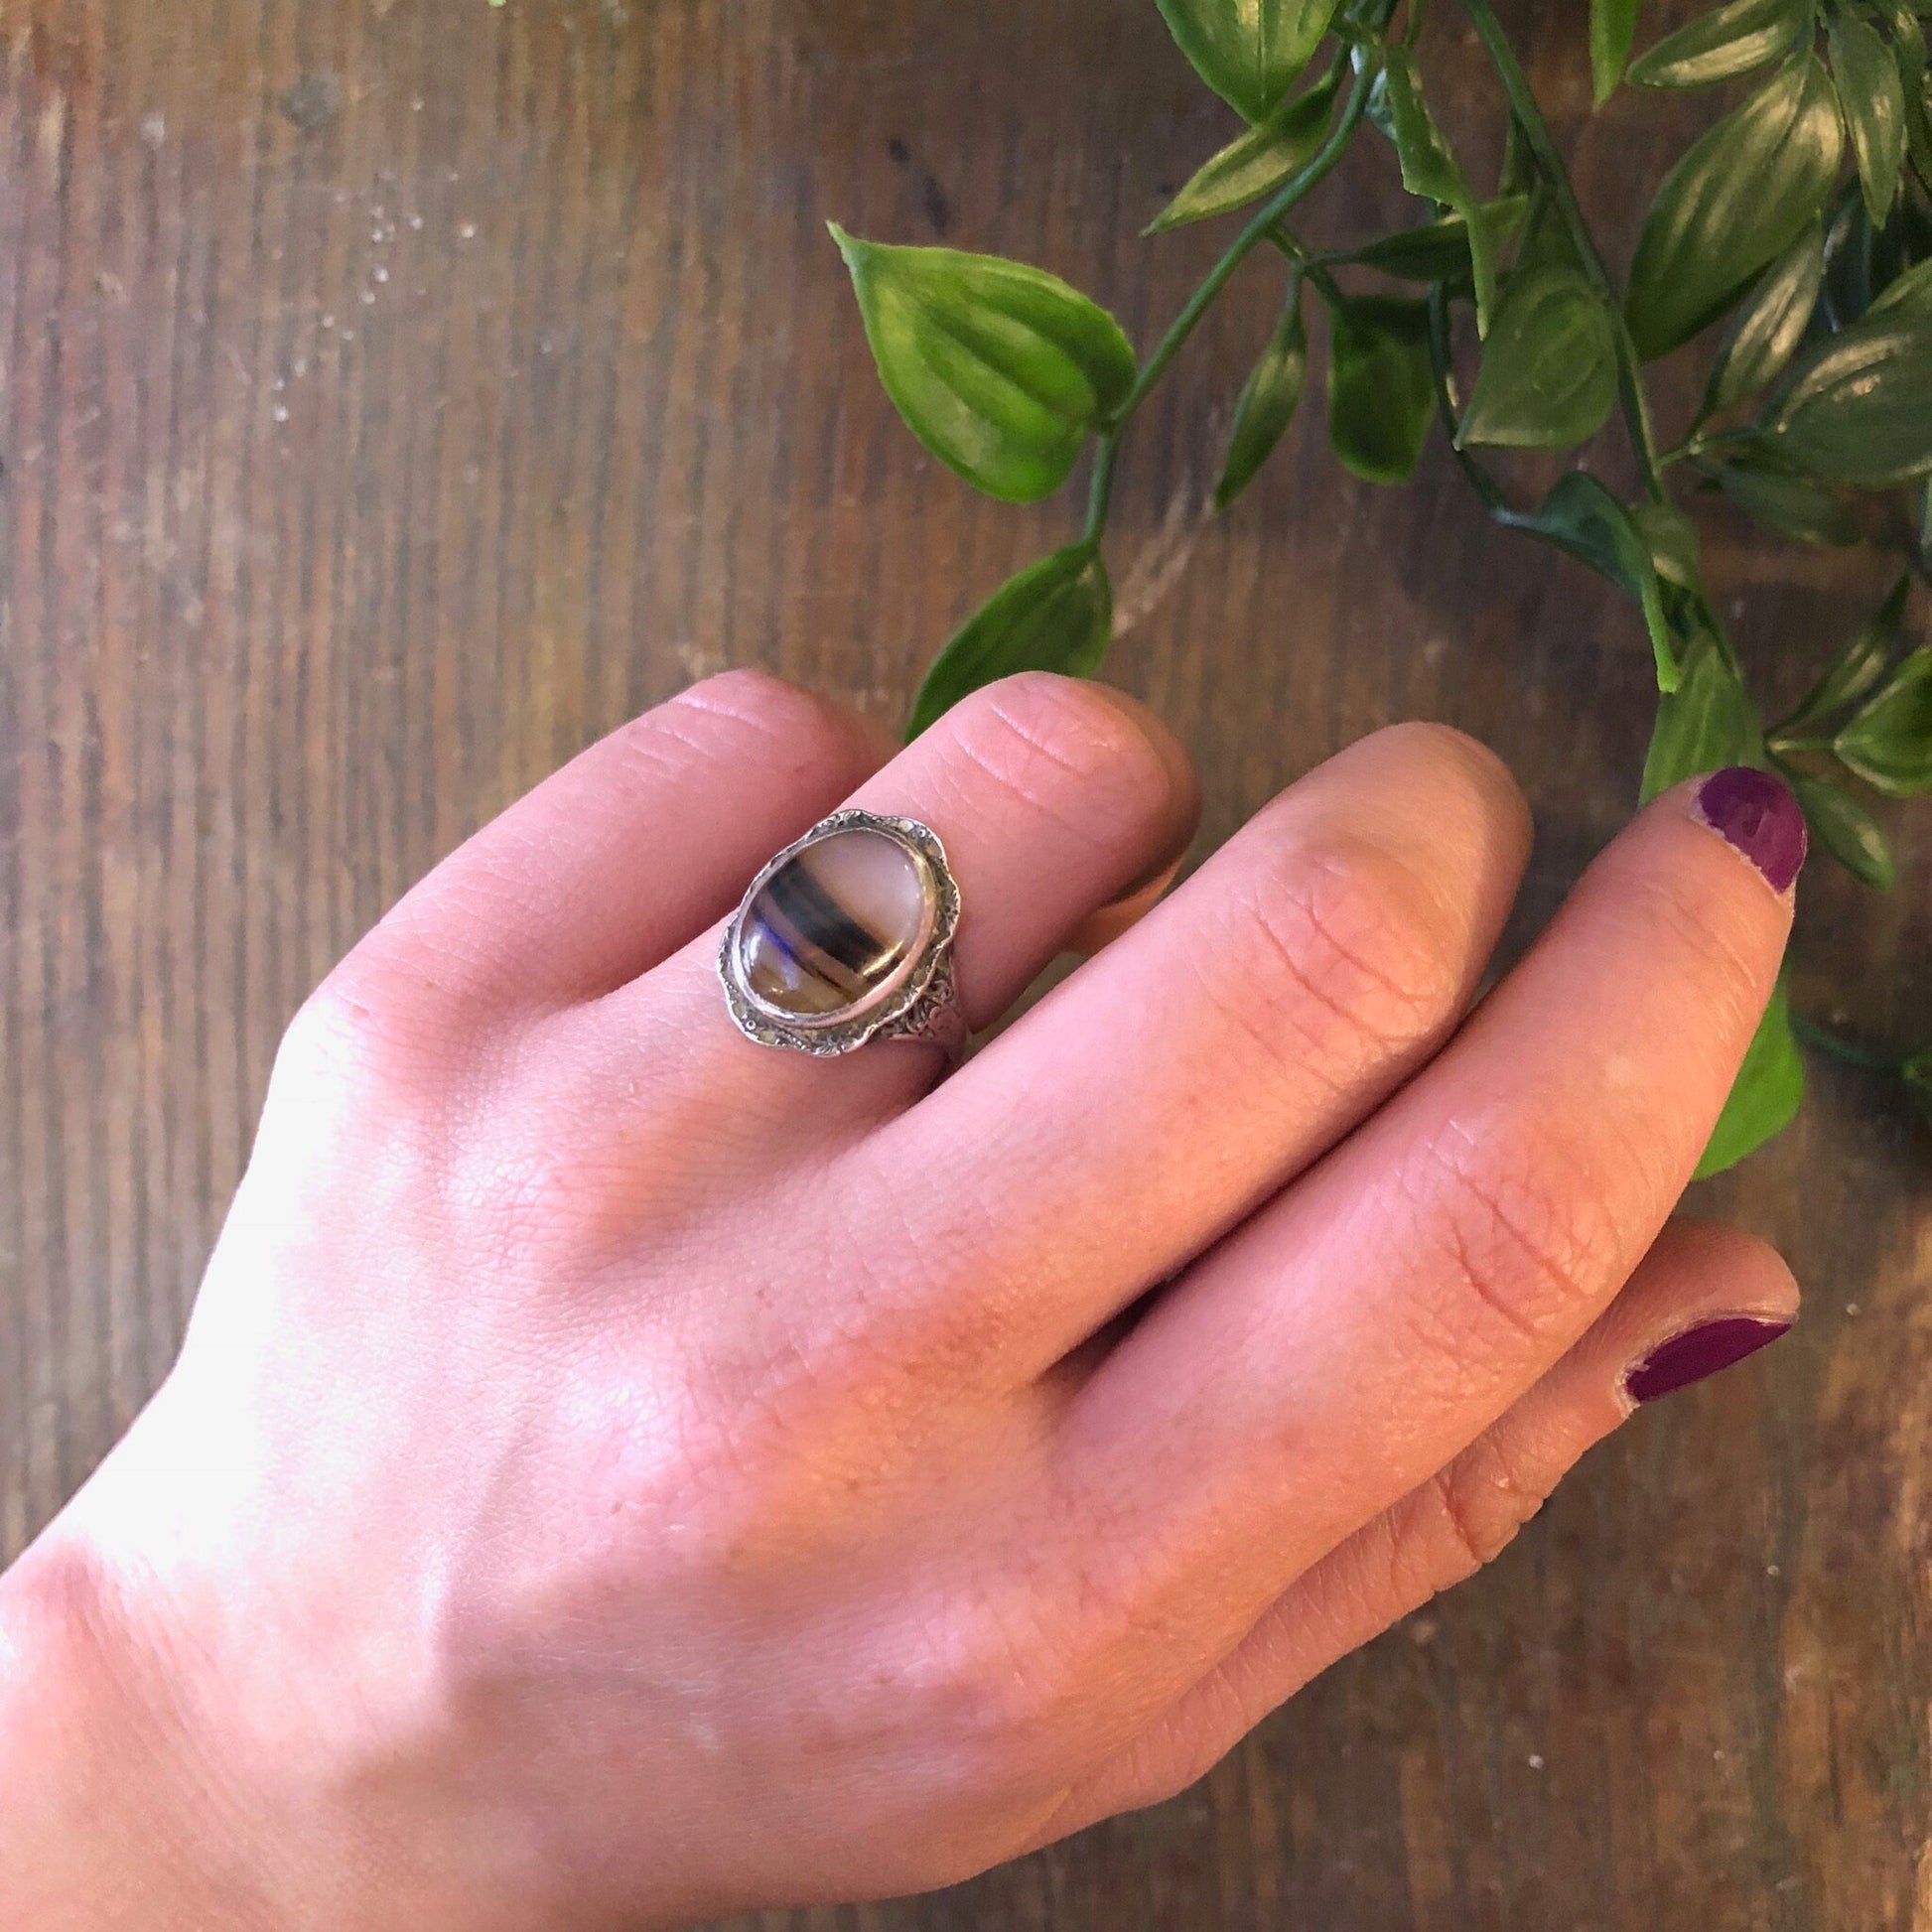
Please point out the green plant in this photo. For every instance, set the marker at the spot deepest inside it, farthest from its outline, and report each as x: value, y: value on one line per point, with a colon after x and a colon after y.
x: 1804, y: 214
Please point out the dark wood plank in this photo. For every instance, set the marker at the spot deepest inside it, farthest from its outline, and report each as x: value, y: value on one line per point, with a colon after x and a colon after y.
x: 397, y: 393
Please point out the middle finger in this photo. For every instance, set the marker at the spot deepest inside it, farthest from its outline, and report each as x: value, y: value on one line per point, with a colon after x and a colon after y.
x: 1187, y: 1073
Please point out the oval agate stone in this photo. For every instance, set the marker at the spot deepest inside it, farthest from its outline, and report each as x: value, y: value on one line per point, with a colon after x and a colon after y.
x: 835, y: 928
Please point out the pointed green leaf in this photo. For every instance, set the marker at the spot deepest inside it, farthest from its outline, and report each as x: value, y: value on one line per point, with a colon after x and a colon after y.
x: 1267, y: 404
x: 1771, y: 493
x: 1613, y: 33
x: 1728, y: 40
x: 1250, y: 52
x: 1706, y: 724
x: 1580, y: 516
x: 1547, y: 378
x: 1768, y: 1092
x: 1874, y: 100
x: 1437, y: 251
x: 1381, y: 386
x: 1861, y: 663
x: 1055, y: 616
x: 1858, y: 410
x: 1000, y: 369
x: 1738, y: 199
x: 1889, y: 742
x: 1845, y: 830
x: 1256, y: 163
x: 1429, y: 169
x: 1770, y: 326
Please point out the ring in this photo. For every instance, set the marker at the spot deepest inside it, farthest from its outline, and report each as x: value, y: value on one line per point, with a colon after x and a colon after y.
x: 846, y: 938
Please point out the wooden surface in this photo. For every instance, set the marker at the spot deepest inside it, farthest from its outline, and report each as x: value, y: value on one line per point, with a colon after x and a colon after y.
x: 394, y: 394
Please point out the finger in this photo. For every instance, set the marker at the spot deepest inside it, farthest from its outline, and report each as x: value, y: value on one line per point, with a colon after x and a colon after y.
x: 1702, y: 1300
x: 637, y: 845
x: 1360, y: 1331
x: 1053, y: 797
x: 1185, y: 1074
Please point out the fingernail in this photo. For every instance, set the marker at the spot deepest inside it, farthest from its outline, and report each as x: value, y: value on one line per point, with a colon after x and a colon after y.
x: 1756, y: 813
x: 1700, y: 1352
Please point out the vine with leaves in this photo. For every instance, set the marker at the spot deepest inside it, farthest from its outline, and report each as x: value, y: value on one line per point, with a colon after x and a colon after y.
x: 1804, y: 215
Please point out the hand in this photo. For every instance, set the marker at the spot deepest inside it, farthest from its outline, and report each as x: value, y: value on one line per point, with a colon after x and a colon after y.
x: 617, y: 1474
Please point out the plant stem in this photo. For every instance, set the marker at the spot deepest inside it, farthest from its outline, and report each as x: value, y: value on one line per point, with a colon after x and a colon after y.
x: 1536, y: 131
x: 1842, y: 1050
x: 1479, y: 479
x: 1315, y: 170
x: 1311, y: 264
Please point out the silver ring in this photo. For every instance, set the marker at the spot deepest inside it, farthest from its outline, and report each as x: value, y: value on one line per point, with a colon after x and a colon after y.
x: 846, y: 938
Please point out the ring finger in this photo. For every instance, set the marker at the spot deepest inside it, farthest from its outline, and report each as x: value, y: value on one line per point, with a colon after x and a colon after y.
x: 1054, y: 799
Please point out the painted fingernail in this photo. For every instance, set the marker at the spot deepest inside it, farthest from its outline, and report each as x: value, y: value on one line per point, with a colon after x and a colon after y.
x: 1702, y: 1351
x: 1757, y: 814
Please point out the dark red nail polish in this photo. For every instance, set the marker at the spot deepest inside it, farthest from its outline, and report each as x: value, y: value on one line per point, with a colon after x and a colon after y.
x: 1757, y: 814
x: 1690, y: 1357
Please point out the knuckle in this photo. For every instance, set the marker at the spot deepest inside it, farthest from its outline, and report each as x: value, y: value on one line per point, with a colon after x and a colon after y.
x: 1063, y: 752
x: 1527, y: 1246
x: 750, y: 714
x: 353, y: 1034
x: 1463, y: 1519
x: 997, y: 1684
x: 1340, y: 948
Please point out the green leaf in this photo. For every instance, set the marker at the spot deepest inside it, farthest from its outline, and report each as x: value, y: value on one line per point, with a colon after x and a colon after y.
x: 1726, y: 41
x: 1547, y: 378
x: 1769, y: 1091
x: 1906, y: 297
x: 1256, y: 163
x: 1267, y: 404
x: 1908, y: 51
x: 1580, y: 516
x: 1738, y: 199
x: 1849, y: 252
x: 1613, y: 34
x: 1889, y: 742
x: 1861, y: 664
x: 1381, y: 386
x: 1784, y: 499
x: 1845, y: 830
x: 1000, y: 369
x: 1546, y: 240
x: 1429, y: 169
x: 1055, y: 616
x: 1672, y: 539
x: 1858, y: 410
x: 1437, y: 251
x: 1250, y: 52
x: 1874, y: 100
x: 1770, y: 326
x: 1706, y: 724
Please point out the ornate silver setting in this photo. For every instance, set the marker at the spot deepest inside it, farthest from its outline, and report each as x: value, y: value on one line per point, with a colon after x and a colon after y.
x: 920, y: 1003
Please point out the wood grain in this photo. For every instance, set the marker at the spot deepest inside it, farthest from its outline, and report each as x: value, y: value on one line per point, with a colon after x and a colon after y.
x: 398, y: 393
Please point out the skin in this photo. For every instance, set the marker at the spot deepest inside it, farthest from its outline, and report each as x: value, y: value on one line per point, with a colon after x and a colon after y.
x: 617, y: 1474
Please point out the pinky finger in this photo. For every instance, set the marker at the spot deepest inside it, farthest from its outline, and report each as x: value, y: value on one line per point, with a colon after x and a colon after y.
x: 1704, y: 1298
